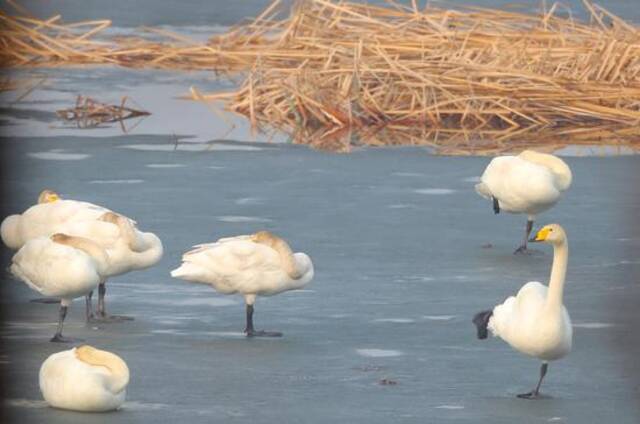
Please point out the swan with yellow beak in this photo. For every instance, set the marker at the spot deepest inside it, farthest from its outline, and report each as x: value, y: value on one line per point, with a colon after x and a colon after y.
x: 535, y: 321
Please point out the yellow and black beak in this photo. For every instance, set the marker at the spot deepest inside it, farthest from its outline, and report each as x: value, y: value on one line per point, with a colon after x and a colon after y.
x: 541, y: 235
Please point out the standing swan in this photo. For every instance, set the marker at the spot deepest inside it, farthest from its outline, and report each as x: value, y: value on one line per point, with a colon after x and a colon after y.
x: 84, y: 379
x: 61, y: 266
x: 259, y: 264
x: 535, y: 322
x: 128, y: 248
x: 529, y: 183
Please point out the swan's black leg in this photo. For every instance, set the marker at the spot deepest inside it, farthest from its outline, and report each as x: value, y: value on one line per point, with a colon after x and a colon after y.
x: 102, y: 313
x: 496, y: 205
x: 536, y: 392
x: 58, y: 338
x: 251, y: 332
x: 89, y: 307
x: 527, y: 232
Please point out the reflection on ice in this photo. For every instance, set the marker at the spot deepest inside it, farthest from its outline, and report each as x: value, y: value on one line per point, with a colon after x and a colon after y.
x: 58, y: 154
x: 379, y: 353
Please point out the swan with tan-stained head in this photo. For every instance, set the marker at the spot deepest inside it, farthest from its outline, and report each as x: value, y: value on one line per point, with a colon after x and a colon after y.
x: 261, y: 264
x: 61, y: 266
x: 84, y: 379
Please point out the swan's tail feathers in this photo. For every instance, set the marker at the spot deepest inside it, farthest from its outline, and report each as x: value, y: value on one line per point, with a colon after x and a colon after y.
x: 496, y: 205
x: 483, y: 190
x: 481, y: 320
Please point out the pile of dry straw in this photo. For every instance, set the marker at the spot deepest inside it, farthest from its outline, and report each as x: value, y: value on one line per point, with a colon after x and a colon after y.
x: 335, y: 74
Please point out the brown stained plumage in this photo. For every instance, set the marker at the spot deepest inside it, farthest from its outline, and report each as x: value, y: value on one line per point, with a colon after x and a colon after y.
x: 285, y: 253
x: 88, y: 246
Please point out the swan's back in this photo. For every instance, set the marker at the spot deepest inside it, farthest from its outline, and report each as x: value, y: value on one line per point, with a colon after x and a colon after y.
x: 54, y: 269
x: 519, y: 185
x: 237, y: 265
x: 68, y: 383
x: 45, y: 219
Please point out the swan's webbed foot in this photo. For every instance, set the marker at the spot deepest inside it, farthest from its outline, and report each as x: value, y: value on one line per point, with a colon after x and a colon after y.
x: 533, y: 394
x: 106, y: 318
x: 59, y: 338
x: 522, y: 250
x: 262, y: 333
x: 46, y: 300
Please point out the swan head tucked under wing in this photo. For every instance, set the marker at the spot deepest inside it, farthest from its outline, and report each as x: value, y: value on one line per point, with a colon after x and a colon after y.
x: 553, y: 234
x: 88, y: 246
x: 84, y: 379
x: 118, y: 369
x: 288, y: 259
x: 48, y: 196
x: 559, y: 169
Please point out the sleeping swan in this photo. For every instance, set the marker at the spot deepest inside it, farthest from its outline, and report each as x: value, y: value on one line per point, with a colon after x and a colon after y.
x: 529, y: 183
x: 61, y: 266
x: 259, y: 264
x: 84, y: 379
x: 128, y: 248
x: 535, y: 322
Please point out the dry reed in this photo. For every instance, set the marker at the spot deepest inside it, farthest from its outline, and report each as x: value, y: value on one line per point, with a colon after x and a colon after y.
x: 336, y: 74
x: 89, y: 113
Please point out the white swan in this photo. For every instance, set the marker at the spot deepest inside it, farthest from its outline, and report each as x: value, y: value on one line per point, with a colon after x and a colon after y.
x: 259, y: 264
x: 535, y: 321
x: 529, y: 183
x: 60, y: 266
x: 84, y: 379
x: 47, y: 217
x: 128, y: 248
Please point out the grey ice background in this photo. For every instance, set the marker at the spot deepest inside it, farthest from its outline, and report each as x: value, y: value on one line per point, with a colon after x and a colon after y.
x: 396, y: 236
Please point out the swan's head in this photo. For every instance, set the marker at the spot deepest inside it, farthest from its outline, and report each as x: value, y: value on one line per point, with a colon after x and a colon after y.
x: 48, y: 196
x: 264, y: 237
x: 119, y: 372
x: 111, y: 217
x: 552, y: 234
x: 61, y: 238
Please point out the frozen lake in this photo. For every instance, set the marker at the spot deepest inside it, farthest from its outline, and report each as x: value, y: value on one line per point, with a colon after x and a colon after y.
x: 397, y: 239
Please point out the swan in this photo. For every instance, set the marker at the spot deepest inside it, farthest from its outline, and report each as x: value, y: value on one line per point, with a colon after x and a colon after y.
x: 129, y: 249
x: 258, y: 264
x: 84, y: 379
x: 529, y: 183
x: 535, y: 321
x: 46, y: 217
x: 61, y: 266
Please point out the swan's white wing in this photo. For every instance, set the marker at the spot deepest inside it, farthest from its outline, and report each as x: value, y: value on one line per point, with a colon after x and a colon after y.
x: 519, y: 185
x: 236, y: 265
x: 54, y: 269
x: 518, y: 311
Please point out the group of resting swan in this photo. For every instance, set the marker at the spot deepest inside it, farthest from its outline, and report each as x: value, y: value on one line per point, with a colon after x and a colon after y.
x: 68, y: 248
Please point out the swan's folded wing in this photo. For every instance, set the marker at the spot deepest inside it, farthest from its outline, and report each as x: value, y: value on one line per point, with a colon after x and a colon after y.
x: 230, y: 266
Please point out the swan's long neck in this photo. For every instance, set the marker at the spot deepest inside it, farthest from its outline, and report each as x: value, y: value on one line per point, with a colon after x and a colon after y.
x: 117, y: 367
x: 289, y: 262
x: 130, y: 234
x: 558, y: 274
